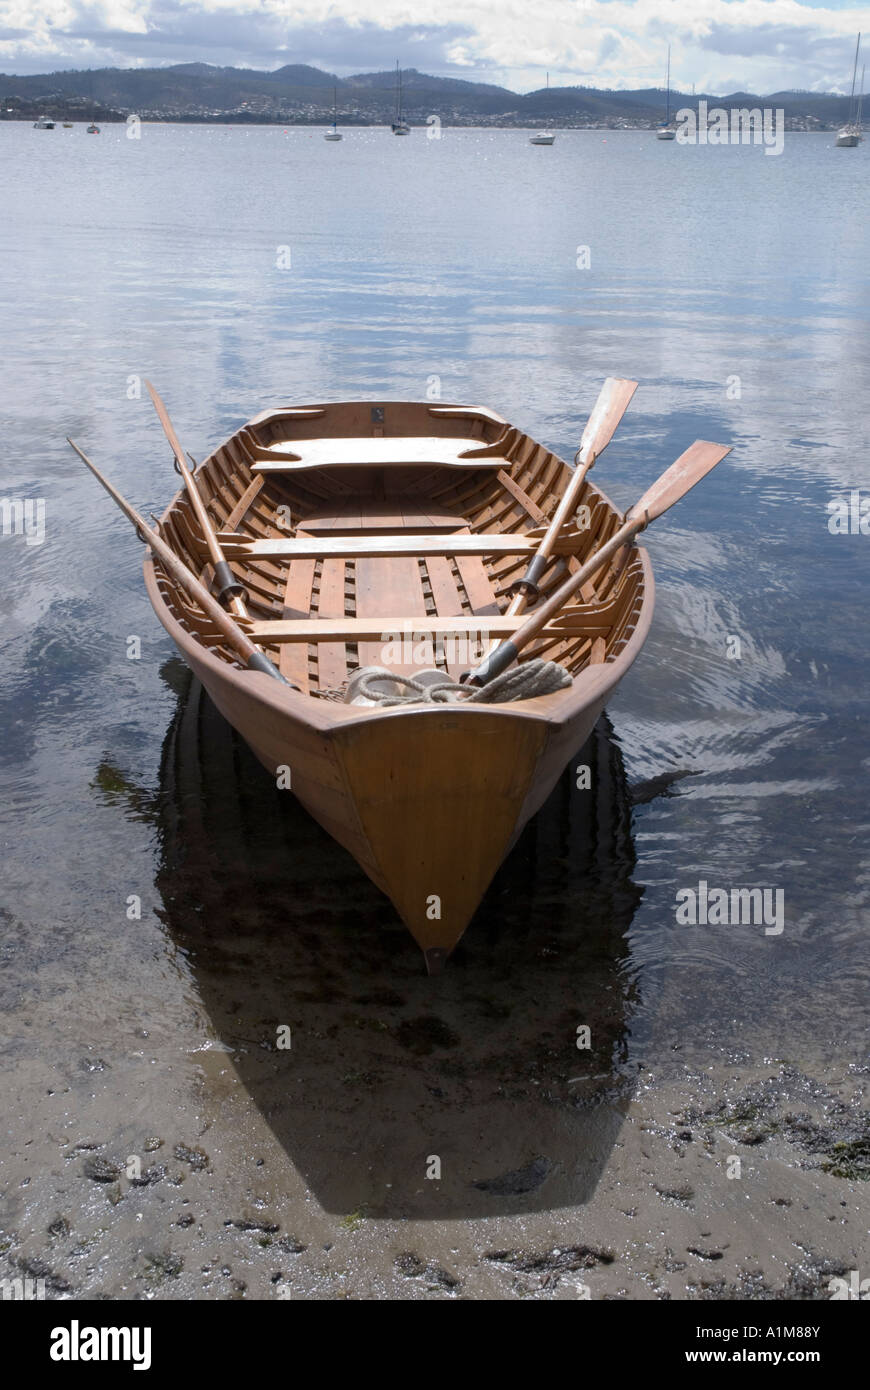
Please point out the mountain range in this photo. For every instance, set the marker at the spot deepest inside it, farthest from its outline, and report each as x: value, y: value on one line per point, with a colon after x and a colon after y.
x: 298, y: 94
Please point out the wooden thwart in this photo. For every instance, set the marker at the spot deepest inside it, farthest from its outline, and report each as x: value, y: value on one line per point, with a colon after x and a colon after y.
x: 238, y: 547
x: 584, y: 619
x: 384, y: 451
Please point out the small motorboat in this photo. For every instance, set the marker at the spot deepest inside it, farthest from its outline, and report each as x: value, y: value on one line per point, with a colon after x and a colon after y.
x: 43, y: 124
x: 414, y: 615
x: 93, y: 129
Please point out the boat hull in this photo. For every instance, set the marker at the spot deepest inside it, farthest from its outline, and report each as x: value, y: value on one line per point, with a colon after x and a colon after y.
x: 428, y: 799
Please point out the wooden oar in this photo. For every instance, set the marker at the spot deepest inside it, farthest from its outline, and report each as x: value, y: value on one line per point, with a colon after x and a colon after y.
x: 253, y: 658
x: 229, y: 589
x: 613, y: 398
x: 674, y: 483
x: 607, y: 412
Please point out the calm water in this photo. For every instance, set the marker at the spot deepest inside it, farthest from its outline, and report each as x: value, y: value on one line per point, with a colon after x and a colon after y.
x: 456, y: 259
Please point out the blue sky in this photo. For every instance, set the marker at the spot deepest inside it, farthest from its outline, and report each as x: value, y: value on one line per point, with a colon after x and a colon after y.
x: 721, y: 45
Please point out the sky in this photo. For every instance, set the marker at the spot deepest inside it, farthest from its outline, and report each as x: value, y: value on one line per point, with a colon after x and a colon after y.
x: 720, y: 45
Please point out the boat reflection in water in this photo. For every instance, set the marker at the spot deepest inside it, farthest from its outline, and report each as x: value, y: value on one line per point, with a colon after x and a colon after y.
x: 389, y: 1069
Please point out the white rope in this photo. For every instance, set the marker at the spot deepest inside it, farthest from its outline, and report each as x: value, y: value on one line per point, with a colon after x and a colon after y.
x: 374, y: 685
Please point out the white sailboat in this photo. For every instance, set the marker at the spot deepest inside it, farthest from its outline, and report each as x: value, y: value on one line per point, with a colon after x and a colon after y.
x: 335, y: 133
x: 400, y: 125
x: 851, y: 135
x: 43, y: 124
x: 543, y: 137
x: 666, y: 130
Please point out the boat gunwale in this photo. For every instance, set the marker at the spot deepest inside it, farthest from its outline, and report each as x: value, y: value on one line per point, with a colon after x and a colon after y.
x: 592, y: 684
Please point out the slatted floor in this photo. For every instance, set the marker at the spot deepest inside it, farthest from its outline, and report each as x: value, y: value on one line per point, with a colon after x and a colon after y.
x: 433, y: 505
x: 373, y: 587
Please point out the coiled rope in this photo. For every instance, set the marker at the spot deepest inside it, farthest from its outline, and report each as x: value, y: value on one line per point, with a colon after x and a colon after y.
x: 521, y: 683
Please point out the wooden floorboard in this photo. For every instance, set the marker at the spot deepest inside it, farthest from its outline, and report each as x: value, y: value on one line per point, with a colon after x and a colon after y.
x: 331, y: 656
x: 383, y: 589
x: 293, y: 662
x: 448, y: 602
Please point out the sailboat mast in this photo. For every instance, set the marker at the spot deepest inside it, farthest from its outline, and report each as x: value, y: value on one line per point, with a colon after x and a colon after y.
x: 854, y: 75
x: 668, y: 90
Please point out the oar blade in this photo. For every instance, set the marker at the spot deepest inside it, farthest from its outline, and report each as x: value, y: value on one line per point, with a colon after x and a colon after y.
x: 680, y: 478
x: 606, y: 414
x: 168, y: 428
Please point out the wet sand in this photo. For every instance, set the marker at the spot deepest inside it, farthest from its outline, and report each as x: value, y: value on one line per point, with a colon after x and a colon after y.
x: 164, y: 1145
x: 223, y: 1212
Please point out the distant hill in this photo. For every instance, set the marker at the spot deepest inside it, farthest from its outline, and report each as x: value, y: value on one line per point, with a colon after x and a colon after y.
x: 299, y: 94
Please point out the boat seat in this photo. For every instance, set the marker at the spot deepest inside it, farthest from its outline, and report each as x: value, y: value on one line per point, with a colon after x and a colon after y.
x: 382, y: 451
x: 588, y: 619
x: 238, y: 546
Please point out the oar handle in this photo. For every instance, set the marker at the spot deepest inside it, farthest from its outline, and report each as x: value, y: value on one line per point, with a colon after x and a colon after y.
x: 254, y: 659
x: 674, y: 483
x: 504, y: 655
x: 228, y: 588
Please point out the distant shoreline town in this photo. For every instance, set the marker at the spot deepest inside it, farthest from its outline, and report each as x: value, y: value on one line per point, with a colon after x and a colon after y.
x: 196, y: 93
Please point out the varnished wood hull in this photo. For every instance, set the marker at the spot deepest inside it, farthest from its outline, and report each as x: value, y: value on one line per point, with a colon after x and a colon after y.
x: 428, y: 800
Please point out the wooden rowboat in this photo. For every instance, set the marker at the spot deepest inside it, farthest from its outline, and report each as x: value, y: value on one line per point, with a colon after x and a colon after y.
x: 355, y: 528
x: 408, y: 536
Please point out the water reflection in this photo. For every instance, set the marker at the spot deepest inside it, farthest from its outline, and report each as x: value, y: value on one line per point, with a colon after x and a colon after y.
x: 389, y: 1069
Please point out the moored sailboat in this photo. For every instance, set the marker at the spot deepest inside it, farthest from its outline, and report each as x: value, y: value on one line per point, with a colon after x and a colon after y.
x: 543, y: 137
x: 400, y: 125
x: 335, y: 133
x: 666, y: 130
x: 851, y: 135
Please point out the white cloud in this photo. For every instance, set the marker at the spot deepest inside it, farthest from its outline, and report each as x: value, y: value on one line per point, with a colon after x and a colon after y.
x: 761, y: 45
